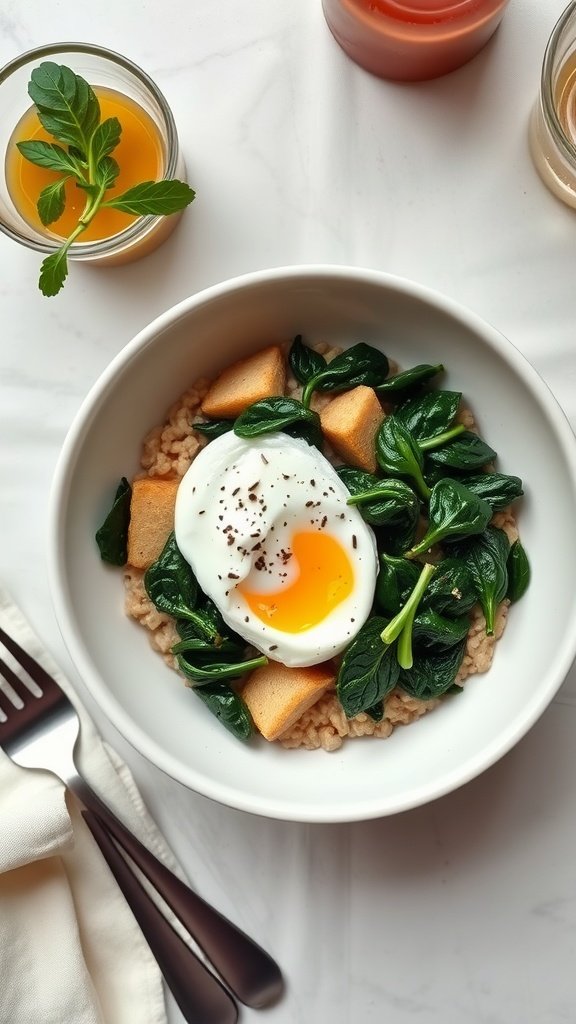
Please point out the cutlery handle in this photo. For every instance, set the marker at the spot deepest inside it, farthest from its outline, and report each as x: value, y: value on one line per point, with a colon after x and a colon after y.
x: 251, y: 974
x: 198, y: 993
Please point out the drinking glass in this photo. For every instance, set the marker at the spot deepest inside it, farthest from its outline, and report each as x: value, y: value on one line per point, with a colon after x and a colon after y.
x: 109, y: 70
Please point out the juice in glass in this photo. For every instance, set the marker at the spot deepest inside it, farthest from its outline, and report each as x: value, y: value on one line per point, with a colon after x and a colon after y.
x: 412, y: 40
x: 553, y: 120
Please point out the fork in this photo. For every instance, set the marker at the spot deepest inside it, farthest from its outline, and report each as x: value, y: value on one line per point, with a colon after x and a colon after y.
x: 42, y: 733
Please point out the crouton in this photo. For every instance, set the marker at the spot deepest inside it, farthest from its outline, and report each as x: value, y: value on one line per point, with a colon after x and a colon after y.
x: 350, y: 423
x: 277, y: 696
x: 259, y: 376
x: 151, y: 519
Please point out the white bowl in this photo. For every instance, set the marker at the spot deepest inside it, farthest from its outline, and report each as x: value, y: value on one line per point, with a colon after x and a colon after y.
x: 149, y: 704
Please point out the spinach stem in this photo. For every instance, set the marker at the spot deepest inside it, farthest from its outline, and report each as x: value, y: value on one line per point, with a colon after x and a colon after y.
x: 396, y: 625
x: 307, y: 392
x: 365, y: 496
x: 219, y: 670
x: 404, y: 649
x: 434, y: 442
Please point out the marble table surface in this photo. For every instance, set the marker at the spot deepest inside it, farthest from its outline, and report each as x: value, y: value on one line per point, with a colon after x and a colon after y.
x: 462, y: 911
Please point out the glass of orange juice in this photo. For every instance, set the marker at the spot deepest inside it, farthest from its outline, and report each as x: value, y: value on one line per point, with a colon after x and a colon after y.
x: 148, y: 151
x: 553, y: 121
x: 411, y: 40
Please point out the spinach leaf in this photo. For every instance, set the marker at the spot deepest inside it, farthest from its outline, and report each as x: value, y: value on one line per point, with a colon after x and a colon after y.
x: 432, y: 630
x: 376, y: 712
x: 486, y: 558
x: 430, y: 414
x: 451, y: 590
x: 397, y: 537
x: 360, y: 364
x: 112, y: 536
x: 465, y: 452
x: 433, y: 673
x: 215, y: 428
x: 305, y: 362
x: 396, y: 580
x: 368, y: 671
x: 518, y: 568
x: 188, y: 629
x: 228, y: 707
x: 204, y: 653
x: 454, y: 511
x: 215, y: 671
x: 402, y: 383
x: 398, y: 453
x: 172, y: 588
x: 498, y: 489
x: 380, y: 501
x: 269, y: 415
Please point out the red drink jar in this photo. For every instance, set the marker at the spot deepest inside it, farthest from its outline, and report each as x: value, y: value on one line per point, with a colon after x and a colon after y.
x: 412, y: 40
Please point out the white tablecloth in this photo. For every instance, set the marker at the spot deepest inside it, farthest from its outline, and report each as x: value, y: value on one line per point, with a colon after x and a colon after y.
x: 462, y: 912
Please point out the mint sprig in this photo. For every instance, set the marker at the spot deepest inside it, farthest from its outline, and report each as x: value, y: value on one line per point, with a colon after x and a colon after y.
x: 68, y: 109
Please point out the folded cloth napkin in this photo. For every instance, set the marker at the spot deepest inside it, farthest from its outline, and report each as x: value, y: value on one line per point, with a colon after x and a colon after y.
x: 70, y: 950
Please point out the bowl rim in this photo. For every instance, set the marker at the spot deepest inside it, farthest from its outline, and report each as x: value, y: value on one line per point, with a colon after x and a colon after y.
x: 111, y: 708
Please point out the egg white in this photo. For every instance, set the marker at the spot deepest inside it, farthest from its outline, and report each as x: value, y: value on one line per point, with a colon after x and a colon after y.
x: 237, y: 508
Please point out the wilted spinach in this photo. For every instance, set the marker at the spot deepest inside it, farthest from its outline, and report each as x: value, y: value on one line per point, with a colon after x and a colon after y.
x: 486, y: 557
x: 498, y: 489
x: 172, y: 588
x: 399, y: 454
x: 112, y: 536
x: 360, y: 364
x: 464, y: 453
x: 214, y: 428
x: 451, y: 590
x: 518, y: 568
x: 203, y: 653
x: 368, y: 671
x: 403, y: 383
x: 304, y: 361
x: 454, y: 511
x: 396, y: 580
x: 433, y: 673
x: 228, y: 707
x: 380, y: 501
x: 430, y: 416
x: 432, y: 630
x: 269, y: 415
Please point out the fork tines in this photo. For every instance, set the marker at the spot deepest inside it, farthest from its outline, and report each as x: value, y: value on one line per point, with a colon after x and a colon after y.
x: 17, y: 715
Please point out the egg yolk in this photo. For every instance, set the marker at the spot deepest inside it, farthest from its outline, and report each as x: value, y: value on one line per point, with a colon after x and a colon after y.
x: 325, y: 579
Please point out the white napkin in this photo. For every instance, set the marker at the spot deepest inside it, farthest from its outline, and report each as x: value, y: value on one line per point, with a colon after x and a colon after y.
x: 70, y: 950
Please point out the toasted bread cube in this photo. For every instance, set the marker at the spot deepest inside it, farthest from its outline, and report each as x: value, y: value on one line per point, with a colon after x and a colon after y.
x: 277, y: 696
x: 259, y: 376
x: 350, y: 423
x: 151, y: 519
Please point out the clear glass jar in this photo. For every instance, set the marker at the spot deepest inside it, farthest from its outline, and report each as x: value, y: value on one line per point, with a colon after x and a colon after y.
x: 412, y: 40
x: 553, y: 120
x: 109, y: 71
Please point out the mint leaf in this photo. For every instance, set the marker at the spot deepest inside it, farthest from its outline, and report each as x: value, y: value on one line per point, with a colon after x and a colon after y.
x: 155, y: 197
x: 67, y: 106
x: 54, y: 271
x: 105, y: 138
x: 46, y: 154
x: 107, y: 171
x: 78, y: 155
x: 51, y: 201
